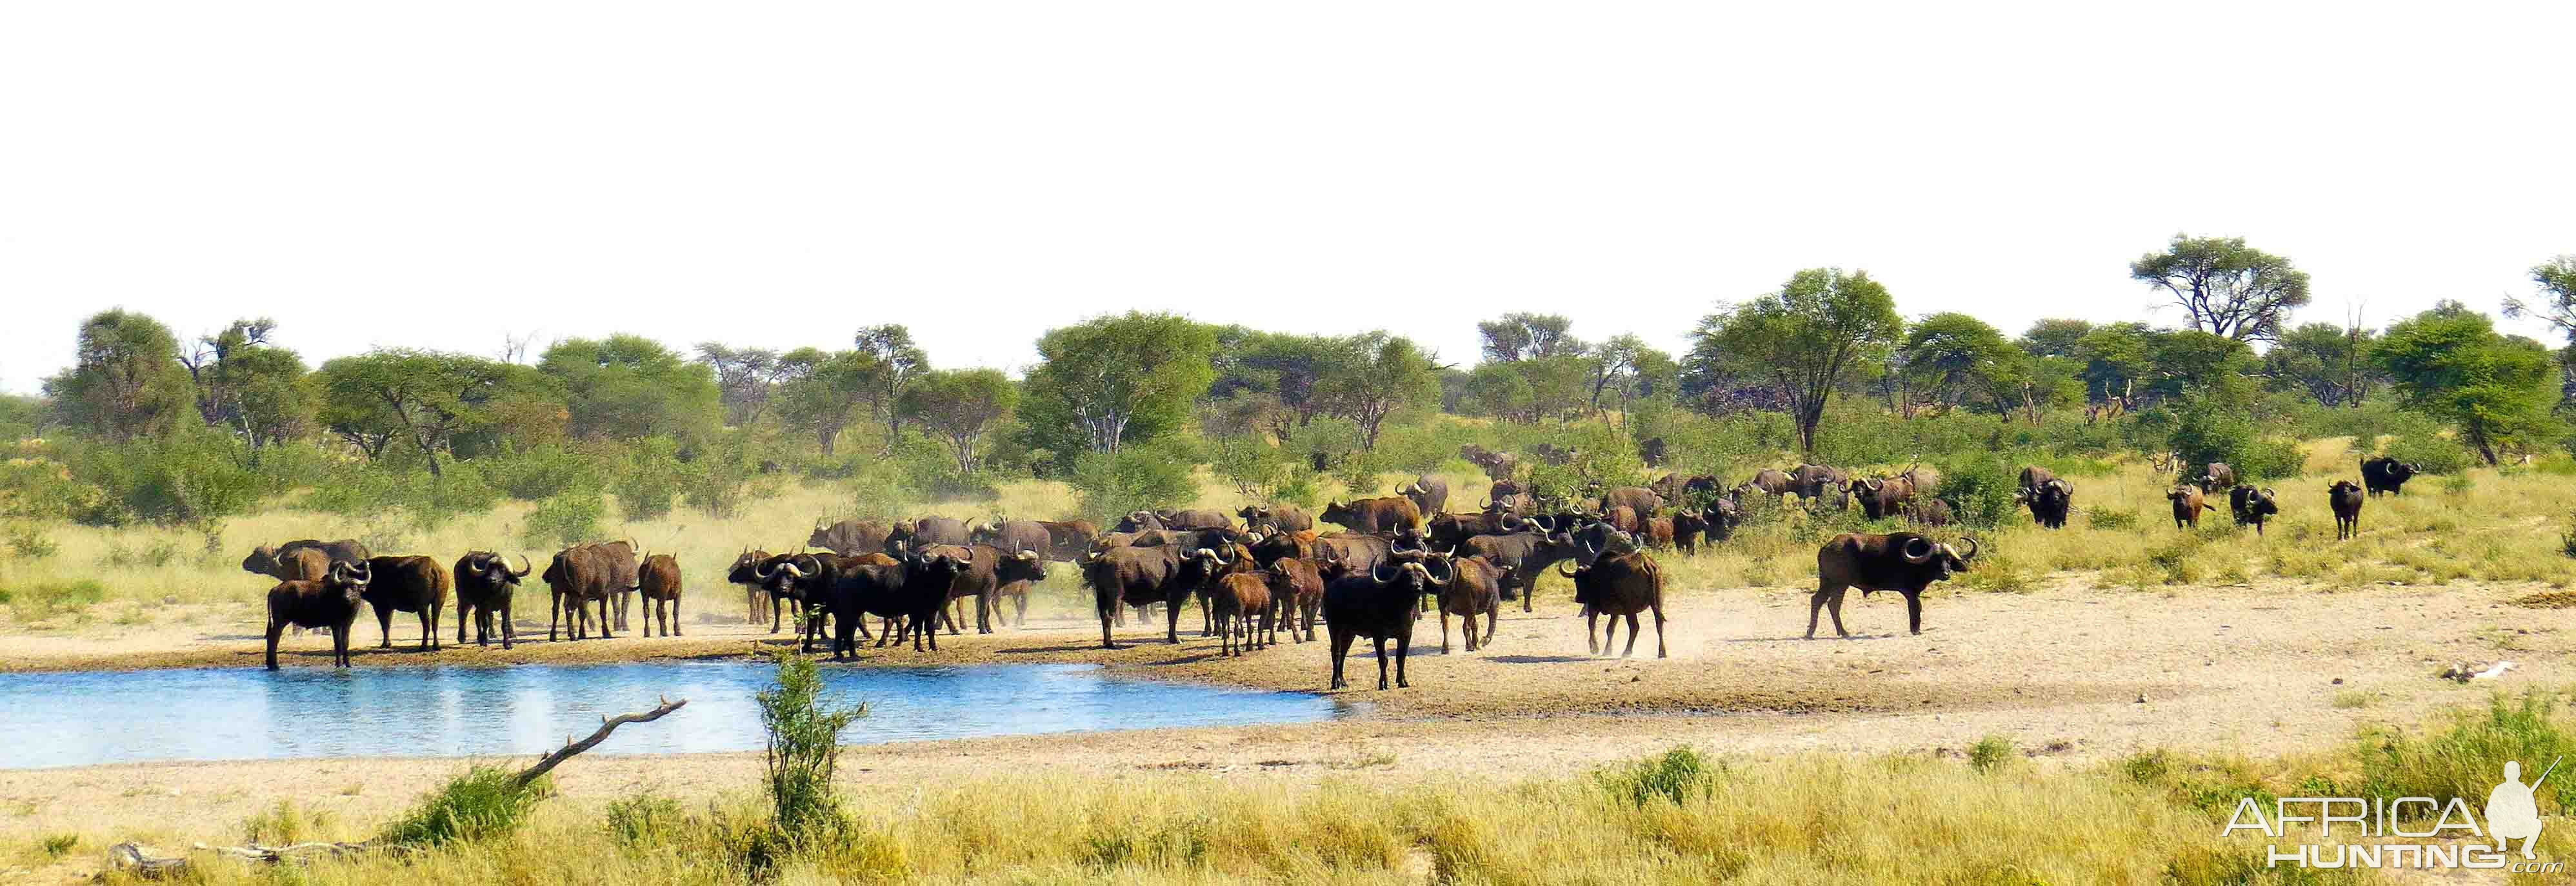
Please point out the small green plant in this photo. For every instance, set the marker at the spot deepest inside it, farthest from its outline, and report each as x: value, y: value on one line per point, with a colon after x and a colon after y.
x: 486, y: 801
x: 2459, y: 484
x: 286, y: 823
x: 804, y: 746
x: 1990, y: 752
x: 2102, y: 517
x: 1676, y: 776
x: 57, y: 845
x: 26, y: 543
x: 43, y: 600
x: 644, y: 819
x: 569, y: 517
x: 2147, y: 767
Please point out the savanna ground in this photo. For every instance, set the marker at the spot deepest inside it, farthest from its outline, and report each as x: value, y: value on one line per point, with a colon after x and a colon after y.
x: 2083, y: 707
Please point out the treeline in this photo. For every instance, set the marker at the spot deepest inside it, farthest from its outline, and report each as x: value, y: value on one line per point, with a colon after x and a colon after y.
x: 146, y: 427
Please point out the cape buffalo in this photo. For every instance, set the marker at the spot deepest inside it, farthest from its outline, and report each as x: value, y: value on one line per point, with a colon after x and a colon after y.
x: 2384, y: 474
x: 1381, y: 604
x: 913, y: 534
x: 1066, y: 540
x: 658, y: 582
x: 2186, y: 505
x: 1523, y: 556
x: 744, y: 572
x: 2049, y: 502
x: 1297, y: 589
x: 1374, y: 514
x: 1137, y: 576
x: 850, y: 538
x: 1275, y: 518
x: 2218, y: 476
x: 1012, y: 535
x: 2251, y: 505
x: 1619, y: 585
x: 1195, y: 518
x: 1138, y: 521
x: 1928, y: 512
x: 1898, y: 561
x: 1641, y: 500
x: 1822, y: 483
x: 331, y: 602
x: 1772, y: 482
x: 2346, y: 500
x: 1475, y: 588
x: 407, y: 584
x: 578, y: 576
x: 265, y: 560
x: 484, y: 586
x: 1429, y: 493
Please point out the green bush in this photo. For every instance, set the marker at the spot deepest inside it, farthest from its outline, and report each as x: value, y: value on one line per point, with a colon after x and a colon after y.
x: 539, y: 472
x: 28, y: 543
x: 804, y: 746
x: 486, y: 801
x: 568, y: 517
x: 1990, y: 752
x: 645, y: 819
x: 1980, y: 489
x: 649, y: 482
x: 43, y: 600
x: 1674, y: 776
x: 1136, y: 477
x: 196, y: 477
x: 2211, y: 432
x: 2468, y: 757
x: 2428, y: 453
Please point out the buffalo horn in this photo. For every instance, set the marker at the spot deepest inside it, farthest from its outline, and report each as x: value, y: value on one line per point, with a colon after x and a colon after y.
x: 1451, y: 572
x: 1972, y: 547
x: 764, y: 571
x: 1910, y: 545
x: 1373, y: 575
x: 525, y: 567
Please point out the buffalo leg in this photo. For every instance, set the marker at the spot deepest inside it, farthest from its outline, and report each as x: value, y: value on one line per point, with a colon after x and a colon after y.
x: 603, y: 619
x: 429, y: 627
x: 1020, y: 607
x: 1403, y: 650
x: 987, y: 606
x: 1207, y: 617
x: 1632, y: 638
x: 384, y: 626
x: 674, y: 626
x: 1172, y: 620
x: 1914, y: 612
x: 1105, y: 611
x: 276, y: 626
x: 1659, y: 631
x: 1444, y: 632
x: 1341, y: 650
x: 1308, y: 615
x: 462, y: 615
x: 1529, y: 590
x: 1381, y: 662
x: 1591, y: 621
x: 509, y: 626
x: 554, y: 617
x: 1827, y: 598
x: 1493, y: 610
x: 340, y: 643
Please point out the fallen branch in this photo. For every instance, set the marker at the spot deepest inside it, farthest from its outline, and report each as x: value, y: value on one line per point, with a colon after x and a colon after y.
x: 134, y: 858
x: 606, y: 726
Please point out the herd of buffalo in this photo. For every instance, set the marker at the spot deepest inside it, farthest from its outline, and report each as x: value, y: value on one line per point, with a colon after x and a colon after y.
x: 1250, y: 570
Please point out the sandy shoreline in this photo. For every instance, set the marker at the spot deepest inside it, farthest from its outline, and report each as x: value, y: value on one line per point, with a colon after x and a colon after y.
x: 2060, y: 671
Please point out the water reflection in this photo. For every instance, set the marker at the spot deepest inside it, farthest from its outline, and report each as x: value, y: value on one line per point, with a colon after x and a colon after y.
x: 73, y: 719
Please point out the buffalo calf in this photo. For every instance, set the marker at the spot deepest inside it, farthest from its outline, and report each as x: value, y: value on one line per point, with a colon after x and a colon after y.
x: 2345, y: 498
x: 659, y: 583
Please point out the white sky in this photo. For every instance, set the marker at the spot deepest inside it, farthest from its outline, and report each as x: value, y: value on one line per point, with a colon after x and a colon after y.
x: 780, y: 174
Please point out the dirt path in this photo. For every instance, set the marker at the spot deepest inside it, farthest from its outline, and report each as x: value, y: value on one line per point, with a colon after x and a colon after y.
x: 2060, y: 671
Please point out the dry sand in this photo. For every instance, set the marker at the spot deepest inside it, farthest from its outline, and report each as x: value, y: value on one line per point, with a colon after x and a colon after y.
x: 2060, y: 671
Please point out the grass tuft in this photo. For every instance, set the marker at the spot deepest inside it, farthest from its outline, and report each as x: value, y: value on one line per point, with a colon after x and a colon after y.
x: 1676, y: 776
x: 484, y: 802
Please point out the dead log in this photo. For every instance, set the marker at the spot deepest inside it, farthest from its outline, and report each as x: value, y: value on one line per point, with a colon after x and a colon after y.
x: 606, y: 726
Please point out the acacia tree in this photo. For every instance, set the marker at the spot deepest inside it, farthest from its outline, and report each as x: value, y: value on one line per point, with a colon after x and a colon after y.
x: 2330, y: 363
x: 897, y: 362
x: 820, y: 392
x: 2450, y: 363
x: 2225, y: 287
x: 1522, y: 335
x: 1114, y: 380
x: 1625, y: 368
x: 1955, y: 358
x: 424, y: 398
x: 744, y: 378
x: 2557, y: 302
x: 1805, y: 340
x: 251, y: 387
x: 125, y: 381
x: 961, y: 406
x: 1383, y: 374
x: 628, y: 387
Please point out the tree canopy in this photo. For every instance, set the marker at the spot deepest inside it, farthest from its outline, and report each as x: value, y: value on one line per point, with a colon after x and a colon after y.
x: 1805, y: 340
x: 2224, y: 287
x: 2450, y: 363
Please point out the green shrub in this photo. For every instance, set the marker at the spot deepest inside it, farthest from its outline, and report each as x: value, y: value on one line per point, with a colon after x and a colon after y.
x: 194, y: 478
x: 539, y: 472
x: 2107, y: 517
x: 58, y: 845
x: 645, y: 819
x: 804, y: 746
x: 569, y: 517
x: 1980, y: 489
x: 1990, y: 752
x: 29, y: 543
x: 43, y: 600
x: 2430, y: 453
x: 486, y: 801
x: 2468, y: 757
x: 286, y: 823
x: 1675, y: 776
x: 1136, y: 477
x: 650, y: 480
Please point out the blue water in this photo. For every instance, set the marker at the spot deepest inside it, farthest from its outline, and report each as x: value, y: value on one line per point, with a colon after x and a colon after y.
x: 83, y: 718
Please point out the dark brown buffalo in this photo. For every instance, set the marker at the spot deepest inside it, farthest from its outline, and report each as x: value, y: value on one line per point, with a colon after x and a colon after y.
x: 850, y: 538
x: 1381, y: 604
x: 2384, y: 474
x: 1651, y: 451
x: 265, y: 560
x: 407, y: 584
x: 579, y: 576
x: 1296, y: 589
x: 2345, y: 498
x: 1882, y: 496
x: 1772, y: 482
x: 1522, y: 557
x: 1195, y: 518
x: 1238, y: 599
x: 2049, y: 502
x: 658, y: 582
x: 484, y: 586
x: 1429, y: 493
x: 2251, y: 505
x: 2033, y: 477
x: 1617, y: 585
x: 1448, y: 531
x: 2218, y: 476
x: 1275, y: 518
x: 1657, y: 532
x: 1138, y: 576
x: 624, y: 574
x: 1350, y: 553
x: 985, y: 574
x: 1622, y: 518
x: 744, y: 573
x: 1138, y: 521
x: 914, y: 588
x: 1013, y: 535
x: 1688, y: 526
x: 1928, y: 512
x: 915, y: 534
x: 1067, y: 540
x: 2187, y: 504
x: 331, y: 602
x: 1270, y: 548
x: 1475, y: 588
x: 1822, y: 483
x: 1638, y: 499
x: 1375, y: 514
x: 1898, y: 561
